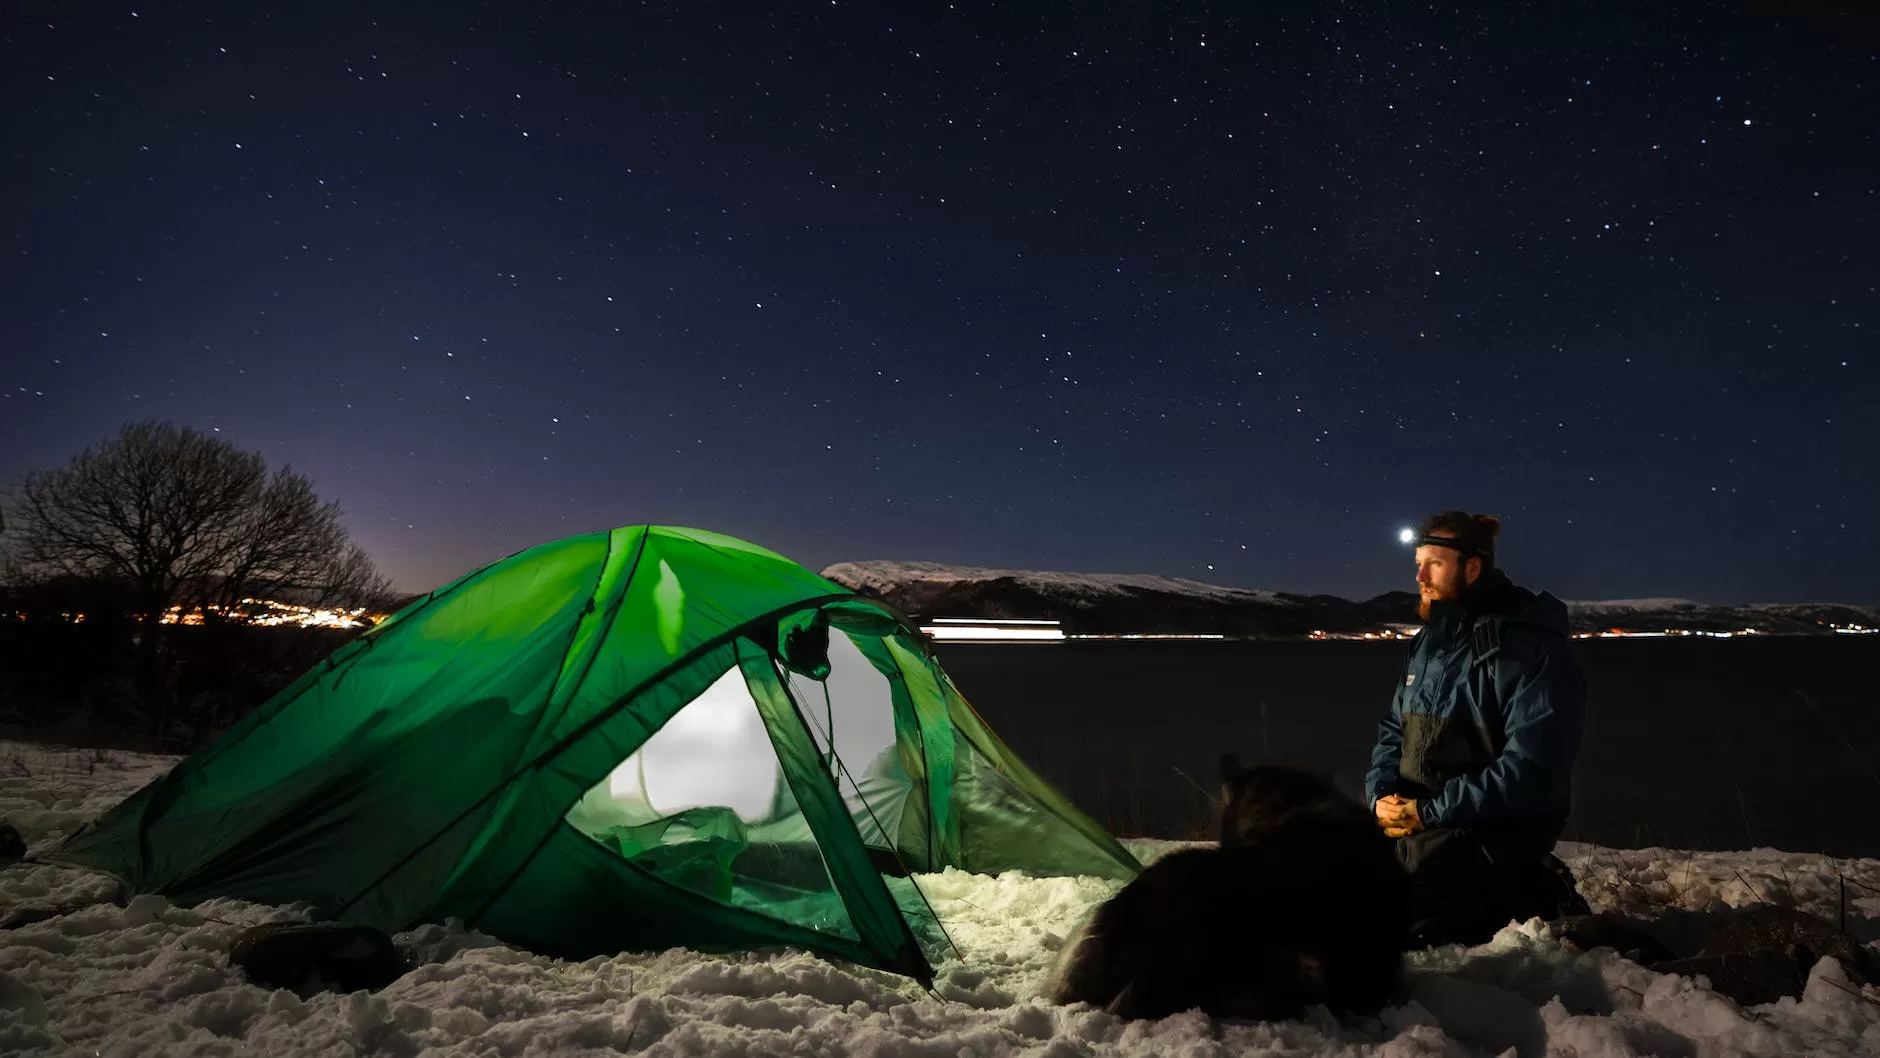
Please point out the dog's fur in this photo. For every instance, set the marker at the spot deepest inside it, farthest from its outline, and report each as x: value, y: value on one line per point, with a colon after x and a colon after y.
x: 1302, y: 903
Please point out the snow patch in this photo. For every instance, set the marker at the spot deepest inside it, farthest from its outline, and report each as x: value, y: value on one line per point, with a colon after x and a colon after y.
x: 152, y: 979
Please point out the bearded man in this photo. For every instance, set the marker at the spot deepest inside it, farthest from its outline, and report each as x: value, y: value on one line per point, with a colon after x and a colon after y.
x: 1472, y: 772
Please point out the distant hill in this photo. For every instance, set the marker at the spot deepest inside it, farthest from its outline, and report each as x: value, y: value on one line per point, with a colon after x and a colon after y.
x: 1771, y: 617
x: 1110, y: 603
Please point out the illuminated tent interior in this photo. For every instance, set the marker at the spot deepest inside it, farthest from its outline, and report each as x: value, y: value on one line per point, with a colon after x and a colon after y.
x: 626, y: 740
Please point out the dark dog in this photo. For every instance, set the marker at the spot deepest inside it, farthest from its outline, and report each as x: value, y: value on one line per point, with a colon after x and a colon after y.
x: 1303, y: 903
x: 1259, y: 802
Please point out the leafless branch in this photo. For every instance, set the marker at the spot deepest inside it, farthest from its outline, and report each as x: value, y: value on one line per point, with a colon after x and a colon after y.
x: 186, y: 519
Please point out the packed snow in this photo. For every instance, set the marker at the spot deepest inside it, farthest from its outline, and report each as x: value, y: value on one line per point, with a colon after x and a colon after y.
x: 152, y: 979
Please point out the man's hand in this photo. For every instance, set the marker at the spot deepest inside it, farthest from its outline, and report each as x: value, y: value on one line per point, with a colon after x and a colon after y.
x: 1398, y: 816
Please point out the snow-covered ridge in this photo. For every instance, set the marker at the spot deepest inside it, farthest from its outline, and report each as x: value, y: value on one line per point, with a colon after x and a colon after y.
x: 1146, y: 602
x: 1634, y: 605
x: 884, y: 576
x: 1762, y: 616
x: 1083, y: 603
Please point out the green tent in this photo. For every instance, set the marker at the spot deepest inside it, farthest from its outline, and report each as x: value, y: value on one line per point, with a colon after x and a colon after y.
x: 625, y: 740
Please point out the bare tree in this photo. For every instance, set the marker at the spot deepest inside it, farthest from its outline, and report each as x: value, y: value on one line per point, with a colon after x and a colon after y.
x: 187, y: 520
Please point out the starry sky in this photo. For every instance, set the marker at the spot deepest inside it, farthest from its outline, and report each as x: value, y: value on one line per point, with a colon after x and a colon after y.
x: 1224, y: 291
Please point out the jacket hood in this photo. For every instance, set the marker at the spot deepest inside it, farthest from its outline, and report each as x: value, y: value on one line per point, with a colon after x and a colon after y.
x: 1494, y: 594
x: 1546, y: 612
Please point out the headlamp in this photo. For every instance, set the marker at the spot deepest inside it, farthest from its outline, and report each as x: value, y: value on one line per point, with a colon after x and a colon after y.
x: 1432, y: 540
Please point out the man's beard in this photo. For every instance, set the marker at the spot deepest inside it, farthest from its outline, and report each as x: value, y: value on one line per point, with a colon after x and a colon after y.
x: 1424, y: 599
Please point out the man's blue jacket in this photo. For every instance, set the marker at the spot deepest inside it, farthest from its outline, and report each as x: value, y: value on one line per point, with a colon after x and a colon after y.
x: 1485, y: 726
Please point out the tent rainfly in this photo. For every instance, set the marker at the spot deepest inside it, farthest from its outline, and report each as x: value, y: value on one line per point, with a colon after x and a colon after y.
x: 627, y: 740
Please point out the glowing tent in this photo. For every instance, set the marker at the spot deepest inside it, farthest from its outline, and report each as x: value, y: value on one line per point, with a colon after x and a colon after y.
x: 624, y: 740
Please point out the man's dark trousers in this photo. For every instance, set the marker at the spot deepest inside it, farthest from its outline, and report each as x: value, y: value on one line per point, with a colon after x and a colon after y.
x: 1466, y: 883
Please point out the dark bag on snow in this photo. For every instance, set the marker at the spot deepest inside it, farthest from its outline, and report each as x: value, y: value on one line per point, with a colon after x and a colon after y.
x: 12, y: 846
x: 308, y: 957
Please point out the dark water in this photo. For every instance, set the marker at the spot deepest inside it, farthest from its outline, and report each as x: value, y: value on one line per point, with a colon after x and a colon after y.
x: 1709, y: 744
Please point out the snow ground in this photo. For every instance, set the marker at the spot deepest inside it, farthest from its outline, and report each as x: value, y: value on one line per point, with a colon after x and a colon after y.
x: 152, y: 979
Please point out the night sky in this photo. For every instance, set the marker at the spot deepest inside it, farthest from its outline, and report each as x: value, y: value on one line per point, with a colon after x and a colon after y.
x: 1152, y: 287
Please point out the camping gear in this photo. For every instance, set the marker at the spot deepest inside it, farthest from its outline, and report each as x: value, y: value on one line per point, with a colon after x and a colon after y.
x: 635, y: 739
x: 309, y: 957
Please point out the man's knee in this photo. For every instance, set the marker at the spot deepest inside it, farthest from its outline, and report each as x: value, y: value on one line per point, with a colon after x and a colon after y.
x: 1442, y: 849
x: 1455, y: 904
